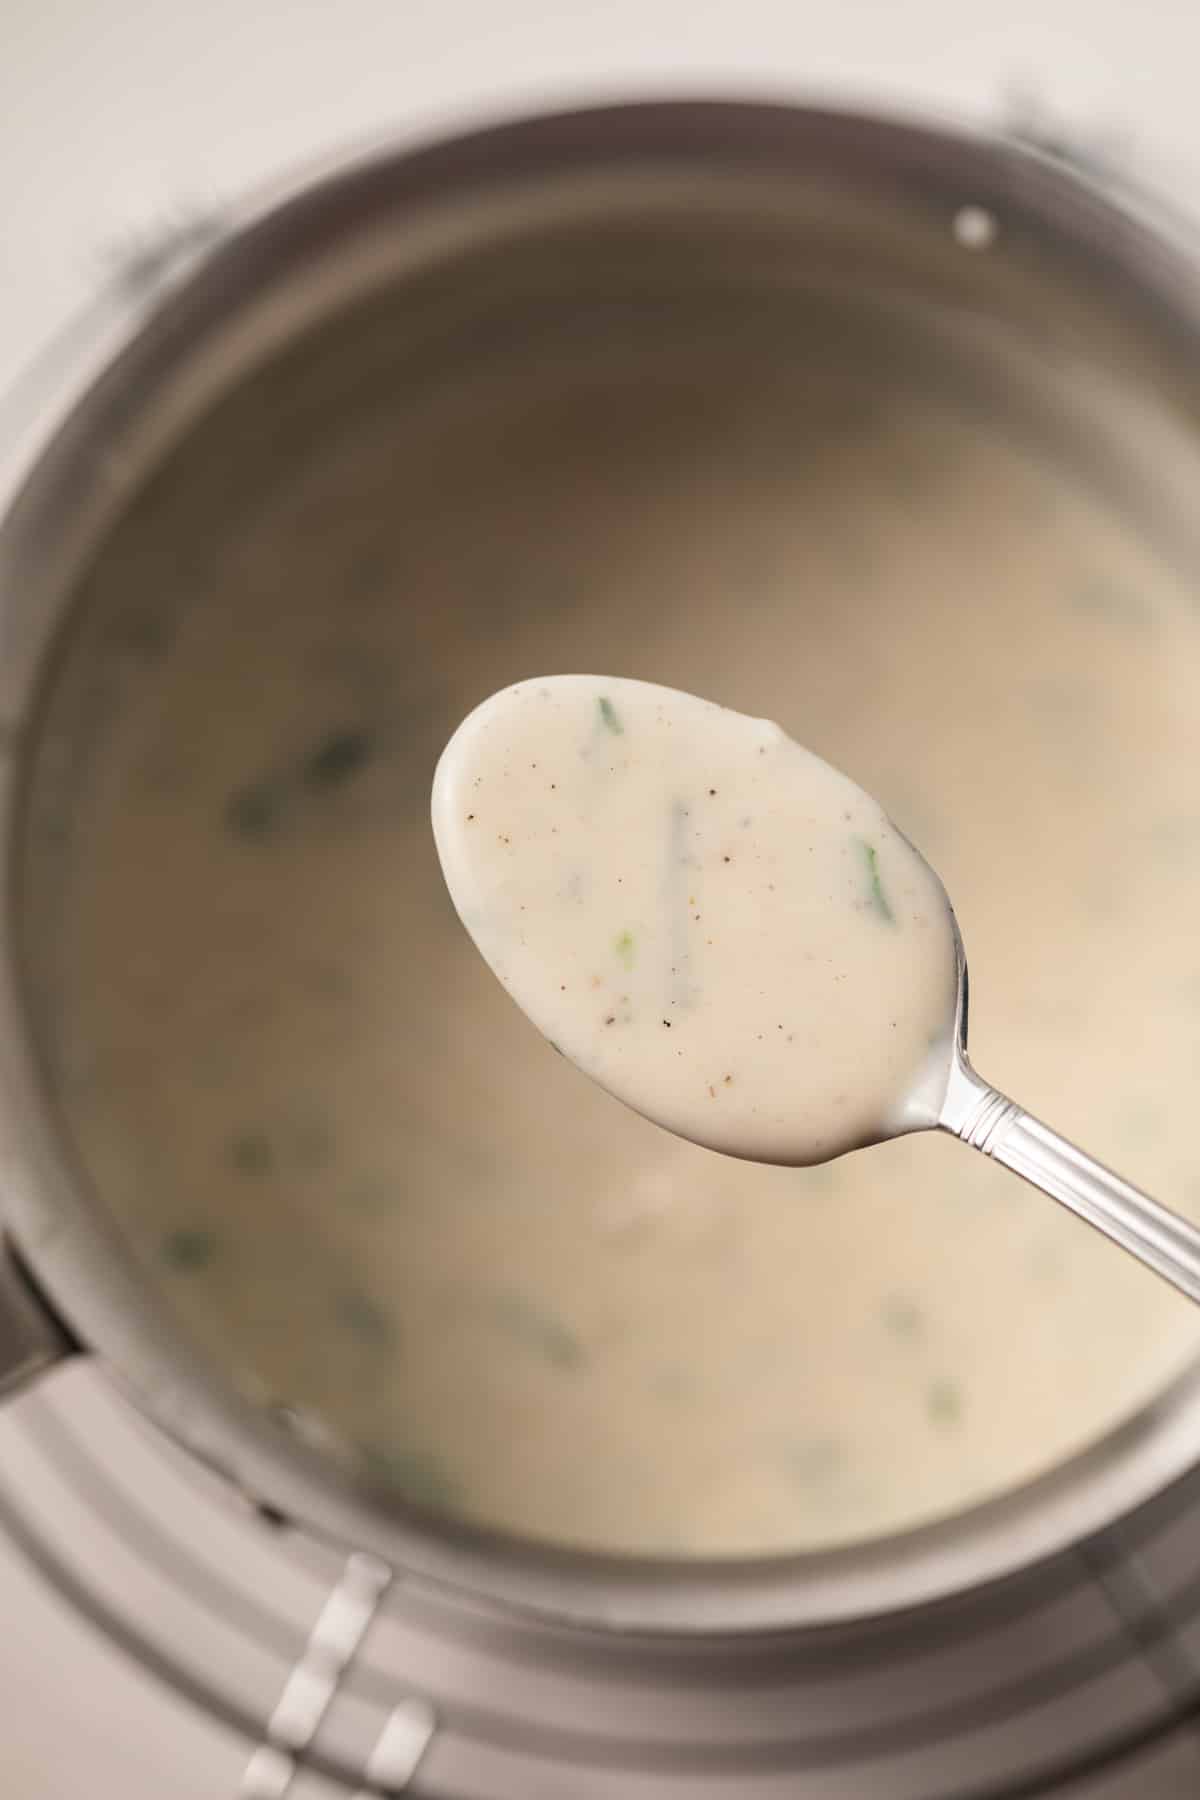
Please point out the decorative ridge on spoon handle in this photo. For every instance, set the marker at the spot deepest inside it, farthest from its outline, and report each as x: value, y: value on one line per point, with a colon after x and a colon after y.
x: 992, y: 1123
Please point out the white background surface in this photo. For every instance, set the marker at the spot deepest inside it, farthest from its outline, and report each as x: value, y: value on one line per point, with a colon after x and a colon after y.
x: 114, y: 113
x: 111, y: 109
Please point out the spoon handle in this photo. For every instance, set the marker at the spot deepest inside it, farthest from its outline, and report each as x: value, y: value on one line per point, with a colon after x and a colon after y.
x: 987, y: 1120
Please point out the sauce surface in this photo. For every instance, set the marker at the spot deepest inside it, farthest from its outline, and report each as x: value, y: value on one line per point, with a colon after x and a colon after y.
x: 715, y: 925
x: 360, y: 1180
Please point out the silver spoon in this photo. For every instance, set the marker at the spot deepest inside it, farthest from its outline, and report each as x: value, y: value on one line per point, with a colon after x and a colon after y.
x: 990, y: 1122
x: 551, y: 786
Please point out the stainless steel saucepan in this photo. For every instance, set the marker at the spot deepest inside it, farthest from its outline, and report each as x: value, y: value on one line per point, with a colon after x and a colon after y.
x: 684, y: 200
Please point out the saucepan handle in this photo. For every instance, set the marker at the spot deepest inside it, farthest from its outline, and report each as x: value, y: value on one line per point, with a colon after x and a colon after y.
x: 32, y: 1339
x: 35, y: 400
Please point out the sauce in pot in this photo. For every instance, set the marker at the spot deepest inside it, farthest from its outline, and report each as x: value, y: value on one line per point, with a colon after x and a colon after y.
x: 365, y: 1185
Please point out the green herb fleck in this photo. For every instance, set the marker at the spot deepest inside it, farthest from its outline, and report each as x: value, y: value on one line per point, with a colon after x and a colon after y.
x: 336, y: 758
x: 189, y: 1248
x: 879, y: 899
x: 365, y: 1319
x: 624, y: 948
x: 608, y: 716
x: 903, y: 1317
x: 532, y: 1327
x: 416, y: 1474
x: 814, y: 1460
x: 250, y: 1153
x: 254, y: 811
x: 944, y: 1402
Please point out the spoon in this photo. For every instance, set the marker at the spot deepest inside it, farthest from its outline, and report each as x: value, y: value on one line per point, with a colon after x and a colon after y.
x: 733, y: 938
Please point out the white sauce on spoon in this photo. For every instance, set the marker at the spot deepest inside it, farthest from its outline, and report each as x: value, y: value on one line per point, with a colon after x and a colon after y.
x: 718, y: 927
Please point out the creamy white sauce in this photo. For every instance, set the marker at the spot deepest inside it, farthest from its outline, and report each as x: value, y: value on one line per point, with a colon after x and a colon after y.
x: 367, y: 1187
x: 712, y: 922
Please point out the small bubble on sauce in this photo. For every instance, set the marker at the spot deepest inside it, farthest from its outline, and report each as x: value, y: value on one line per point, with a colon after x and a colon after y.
x: 974, y: 227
